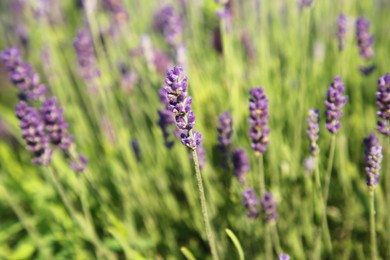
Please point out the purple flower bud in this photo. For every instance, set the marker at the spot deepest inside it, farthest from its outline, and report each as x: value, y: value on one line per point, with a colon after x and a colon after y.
x: 240, y: 164
x: 258, y: 113
x: 364, y: 39
x: 309, y: 164
x: 334, y: 103
x: 383, y: 104
x: 117, y: 8
x: 55, y: 125
x: 169, y: 23
x: 250, y: 201
x: 306, y: 3
x: 179, y: 104
x: 342, y: 26
x: 22, y: 75
x: 80, y: 165
x: 373, y: 158
x: 313, y: 131
x: 269, y: 205
x: 282, y: 256
x: 33, y: 132
x: 85, y: 51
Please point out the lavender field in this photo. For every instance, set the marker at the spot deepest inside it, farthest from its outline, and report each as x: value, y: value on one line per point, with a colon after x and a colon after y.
x: 202, y: 129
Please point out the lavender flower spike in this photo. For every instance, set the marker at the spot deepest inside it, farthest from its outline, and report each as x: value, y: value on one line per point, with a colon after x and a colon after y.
x: 334, y: 102
x: 268, y: 205
x: 373, y: 158
x: 33, y: 132
x: 258, y: 112
x: 240, y: 164
x: 176, y: 88
x: 364, y: 38
x: 225, y: 132
x: 313, y: 130
x: 342, y: 24
x: 282, y: 256
x: 383, y: 104
x: 250, y: 202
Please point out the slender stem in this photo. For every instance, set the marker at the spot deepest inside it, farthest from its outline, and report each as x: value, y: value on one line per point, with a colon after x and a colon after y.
x: 324, y: 219
x: 275, y: 239
x: 387, y: 180
x: 203, y: 204
x: 372, y: 225
x: 22, y: 216
x: 329, y: 169
x: 268, y: 242
x: 261, y: 177
x: 77, y: 217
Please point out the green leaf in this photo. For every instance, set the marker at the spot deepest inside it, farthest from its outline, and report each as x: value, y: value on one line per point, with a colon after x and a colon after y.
x: 187, y: 253
x: 236, y: 243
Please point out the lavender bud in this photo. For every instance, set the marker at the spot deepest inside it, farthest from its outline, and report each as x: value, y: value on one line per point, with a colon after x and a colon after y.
x: 179, y: 104
x: 334, y: 103
x: 258, y: 112
x: 313, y: 131
x: 383, y: 104
x: 250, y: 201
x: 342, y: 24
x: 80, y: 165
x: 282, y: 256
x: 169, y: 23
x: 269, y: 205
x: 225, y: 131
x: 364, y: 39
x: 118, y: 10
x: 373, y: 158
x: 240, y: 164
x: 33, y: 132
x: 55, y: 125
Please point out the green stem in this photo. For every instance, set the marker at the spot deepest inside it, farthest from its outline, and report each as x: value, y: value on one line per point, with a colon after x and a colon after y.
x: 77, y: 217
x: 387, y: 180
x: 22, y: 216
x: 324, y: 219
x: 372, y: 225
x: 268, y: 242
x: 261, y: 177
x: 329, y: 169
x: 203, y: 204
x: 275, y: 239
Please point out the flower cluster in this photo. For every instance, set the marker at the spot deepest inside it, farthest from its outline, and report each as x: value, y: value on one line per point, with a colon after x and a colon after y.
x: 176, y: 87
x: 169, y: 23
x: 282, y: 256
x: 240, y: 164
x: 342, y: 24
x: 22, y: 75
x: 118, y: 10
x: 83, y: 45
x: 383, y: 104
x: 373, y: 157
x: 334, y: 102
x: 225, y: 132
x: 250, y: 201
x: 364, y: 38
x: 269, y: 205
x: 33, y: 132
x: 55, y: 125
x: 313, y: 131
x: 258, y: 111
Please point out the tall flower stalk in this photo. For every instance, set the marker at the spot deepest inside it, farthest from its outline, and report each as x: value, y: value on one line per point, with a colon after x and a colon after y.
x: 259, y: 130
x: 373, y: 158
x: 179, y: 103
x: 334, y: 103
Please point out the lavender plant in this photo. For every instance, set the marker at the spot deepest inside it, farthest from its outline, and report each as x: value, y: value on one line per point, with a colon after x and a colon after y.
x: 342, y: 27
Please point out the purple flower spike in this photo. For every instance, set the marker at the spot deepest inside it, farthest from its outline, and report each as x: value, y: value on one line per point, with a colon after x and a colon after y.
x: 240, y: 164
x: 268, y: 205
x: 225, y: 131
x: 313, y: 131
x: 364, y: 39
x: 179, y: 104
x: 282, y: 256
x: 118, y: 10
x: 250, y: 201
x: 373, y: 158
x: 342, y: 26
x: 33, y: 132
x: 55, y: 124
x: 334, y: 103
x: 258, y: 112
x: 383, y: 104
x: 169, y: 23
x: 80, y: 165
x: 22, y: 75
